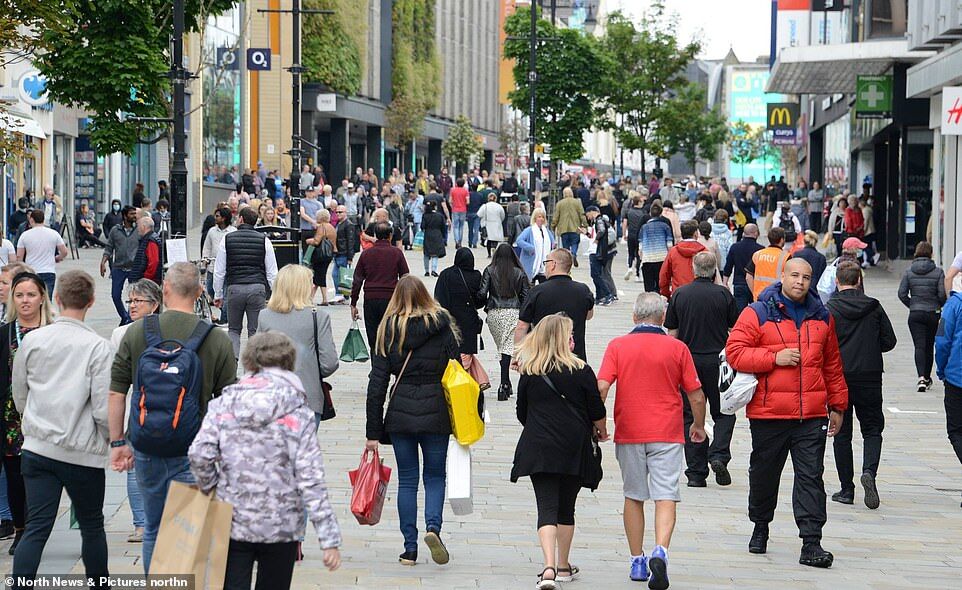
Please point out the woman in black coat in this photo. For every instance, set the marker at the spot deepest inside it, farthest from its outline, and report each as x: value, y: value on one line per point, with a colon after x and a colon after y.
x: 556, y: 436
x: 415, y: 341
x: 457, y: 291
x: 432, y: 224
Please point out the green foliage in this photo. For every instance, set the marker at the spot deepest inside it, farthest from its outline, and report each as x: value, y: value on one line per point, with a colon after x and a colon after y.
x: 102, y: 50
x: 744, y: 143
x: 689, y: 128
x: 416, y: 72
x: 651, y: 63
x: 333, y: 45
x: 462, y: 146
x: 565, y: 101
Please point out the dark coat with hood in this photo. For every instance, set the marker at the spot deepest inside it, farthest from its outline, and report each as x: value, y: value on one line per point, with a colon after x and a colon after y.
x: 432, y: 224
x: 457, y: 291
x: 864, y: 333
x: 923, y: 286
x: 418, y: 405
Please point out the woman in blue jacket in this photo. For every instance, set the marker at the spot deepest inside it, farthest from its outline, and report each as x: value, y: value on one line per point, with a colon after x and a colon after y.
x: 533, y: 246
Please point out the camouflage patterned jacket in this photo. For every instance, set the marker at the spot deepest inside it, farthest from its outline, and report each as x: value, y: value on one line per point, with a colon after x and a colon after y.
x: 257, y: 448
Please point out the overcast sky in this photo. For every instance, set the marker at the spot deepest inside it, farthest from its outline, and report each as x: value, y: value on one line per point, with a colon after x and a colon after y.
x: 741, y: 24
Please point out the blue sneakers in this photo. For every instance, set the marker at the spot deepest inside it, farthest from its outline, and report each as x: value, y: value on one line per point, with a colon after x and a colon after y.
x: 639, y: 569
x: 658, y: 564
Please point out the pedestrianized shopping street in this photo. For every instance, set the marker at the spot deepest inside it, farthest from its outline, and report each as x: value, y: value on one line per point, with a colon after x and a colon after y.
x: 912, y: 540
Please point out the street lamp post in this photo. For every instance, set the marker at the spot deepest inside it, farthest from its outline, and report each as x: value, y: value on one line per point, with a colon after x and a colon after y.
x: 178, y: 167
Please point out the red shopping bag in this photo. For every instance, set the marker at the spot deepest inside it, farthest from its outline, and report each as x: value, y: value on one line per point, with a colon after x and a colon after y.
x: 369, y: 481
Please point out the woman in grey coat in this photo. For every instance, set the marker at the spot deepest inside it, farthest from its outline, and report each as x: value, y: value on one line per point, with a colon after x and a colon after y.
x: 291, y: 312
x: 923, y: 291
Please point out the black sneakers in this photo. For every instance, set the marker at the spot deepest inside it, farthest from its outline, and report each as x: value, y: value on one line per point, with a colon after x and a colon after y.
x: 6, y: 529
x: 722, y: 476
x: 814, y: 556
x: 844, y: 497
x: 759, y: 541
x: 871, y: 491
x: 439, y: 553
x: 697, y: 483
x: 408, y: 558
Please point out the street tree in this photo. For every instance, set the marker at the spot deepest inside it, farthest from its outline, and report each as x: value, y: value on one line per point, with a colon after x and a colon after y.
x: 744, y: 144
x: 514, y: 141
x: 690, y: 128
x: 112, y: 58
x: 462, y: 146
x: 651, y: 64
x: 565, y: 98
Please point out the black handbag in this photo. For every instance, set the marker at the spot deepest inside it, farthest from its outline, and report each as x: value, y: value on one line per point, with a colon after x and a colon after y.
x: 591, y: 471
x: 327, y: 403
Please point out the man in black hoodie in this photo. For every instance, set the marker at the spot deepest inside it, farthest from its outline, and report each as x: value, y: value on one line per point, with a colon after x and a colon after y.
x: 864, y: 333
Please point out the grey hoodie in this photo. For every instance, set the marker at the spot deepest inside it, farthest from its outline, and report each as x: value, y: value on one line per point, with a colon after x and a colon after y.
x: 258, y: 449
x: 923, y: 286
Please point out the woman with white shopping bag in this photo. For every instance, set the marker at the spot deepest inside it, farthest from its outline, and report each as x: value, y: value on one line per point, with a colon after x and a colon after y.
x: 560, y: 408
x: 257, y: 449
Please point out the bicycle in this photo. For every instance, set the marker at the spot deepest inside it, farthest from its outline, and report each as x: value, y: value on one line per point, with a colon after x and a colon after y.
x: 204, y: 303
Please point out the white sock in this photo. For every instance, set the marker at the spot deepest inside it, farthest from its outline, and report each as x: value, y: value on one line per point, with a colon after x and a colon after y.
x: 634, y: 557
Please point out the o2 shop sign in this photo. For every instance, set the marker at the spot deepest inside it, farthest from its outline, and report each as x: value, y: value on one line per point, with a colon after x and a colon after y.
x: 32, y: 88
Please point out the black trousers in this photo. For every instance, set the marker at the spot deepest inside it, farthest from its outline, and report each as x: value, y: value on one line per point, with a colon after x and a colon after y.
x: 815, y: 221
x: 634, y: 260
x: 698, y: 455
x: 46, y: 479
x: 865, y: 400
x: 650, y: 272
x: 953, y: 417
x: 16, y: 493
x: 373, y: 314
x: 275, y: 565
x: 556, y: 495
x: 772, y: 441
x: 922, y: 326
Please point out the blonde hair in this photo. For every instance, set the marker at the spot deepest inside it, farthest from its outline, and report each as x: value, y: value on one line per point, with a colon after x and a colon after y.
x: 411, y: 300
x: 546, y: 349
x: 292, y: 289
x: 46, y: 314
x: 539, y: 212
x: 567, y: 192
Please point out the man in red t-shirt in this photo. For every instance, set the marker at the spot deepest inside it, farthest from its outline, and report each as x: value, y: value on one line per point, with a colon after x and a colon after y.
x: 650, y: 367
x: 459, y: 210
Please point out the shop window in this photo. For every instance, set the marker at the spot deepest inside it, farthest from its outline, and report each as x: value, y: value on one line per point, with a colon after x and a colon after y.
x: 887, y: 18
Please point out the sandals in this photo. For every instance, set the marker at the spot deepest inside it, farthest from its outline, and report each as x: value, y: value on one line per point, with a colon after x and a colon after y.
x: 544, y: 584
x: 571, y: 573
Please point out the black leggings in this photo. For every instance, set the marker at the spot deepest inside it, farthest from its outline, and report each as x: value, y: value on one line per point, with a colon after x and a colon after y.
x: 490, y: 246
x: 556, y: 495
x: 922, y: 326
x: 275, y: 565
x: 506, y: 370
x: 16, y: 492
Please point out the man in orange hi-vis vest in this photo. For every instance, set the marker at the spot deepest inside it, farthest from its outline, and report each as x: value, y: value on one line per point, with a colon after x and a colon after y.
x: 766, y: 266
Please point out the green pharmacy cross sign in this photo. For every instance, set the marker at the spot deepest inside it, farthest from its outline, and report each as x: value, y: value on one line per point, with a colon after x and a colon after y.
x: 873, y: 97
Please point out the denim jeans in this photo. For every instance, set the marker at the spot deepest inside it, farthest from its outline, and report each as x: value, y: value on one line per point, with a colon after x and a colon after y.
x: 458, y: 220
x: 154, y: 475
x: 474, y: 230
x: 602, y: 288
x: 431, y: 261
x: 743, y: 296
x: 434, y: 447
x: 118, y: 277
x: 45, y: 480
x: 50, y: 280
x: 340, y: 261
x: 5, y: 513
x: 570, y: 241
x: 135, y: 498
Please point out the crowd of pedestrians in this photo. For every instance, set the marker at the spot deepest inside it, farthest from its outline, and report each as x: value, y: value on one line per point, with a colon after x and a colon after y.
x: 803, y: 327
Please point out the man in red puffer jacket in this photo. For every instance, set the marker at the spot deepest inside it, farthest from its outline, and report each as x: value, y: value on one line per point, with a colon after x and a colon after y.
x: 787, y: 339
x: 676, y: 270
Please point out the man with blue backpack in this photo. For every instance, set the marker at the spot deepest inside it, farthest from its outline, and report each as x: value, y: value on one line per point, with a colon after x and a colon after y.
x: 176, y: 364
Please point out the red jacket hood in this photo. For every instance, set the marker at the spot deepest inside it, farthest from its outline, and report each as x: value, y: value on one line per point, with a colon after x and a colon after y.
x: 689, y: 249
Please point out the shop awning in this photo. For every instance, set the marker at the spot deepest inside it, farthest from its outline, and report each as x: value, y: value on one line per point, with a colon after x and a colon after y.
x: 24, y: 125
x: 832, y: 69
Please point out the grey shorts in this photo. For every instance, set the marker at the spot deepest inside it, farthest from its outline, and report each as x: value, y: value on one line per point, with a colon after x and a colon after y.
x: 650, y: 471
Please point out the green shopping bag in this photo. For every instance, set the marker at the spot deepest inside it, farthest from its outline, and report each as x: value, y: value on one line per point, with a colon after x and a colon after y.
x: 308, y: 258
x: 345, y: 281
x: 353, y: 348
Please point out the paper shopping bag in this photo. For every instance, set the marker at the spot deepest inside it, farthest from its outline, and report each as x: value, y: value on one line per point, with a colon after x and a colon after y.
x: 354, y: 348
x: 459, y: 478
x: 345, y: 280
x: 369, y: 481
x: 194, y: 536
x: 308, y: 258
x: 465, y: 403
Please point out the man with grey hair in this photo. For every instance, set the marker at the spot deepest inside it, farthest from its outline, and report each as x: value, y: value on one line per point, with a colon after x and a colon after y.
x: 650, y: 367
x: 181, y: 289
x: 148, y: 263
x: 700, y: 315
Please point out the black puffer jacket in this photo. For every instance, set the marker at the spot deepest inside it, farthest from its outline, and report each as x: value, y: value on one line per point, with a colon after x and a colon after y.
x: 923, y: 286
x: 864, y: 332
x: 418, y: 405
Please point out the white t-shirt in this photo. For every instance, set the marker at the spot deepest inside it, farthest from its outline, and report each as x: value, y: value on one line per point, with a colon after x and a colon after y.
x: 6, y: 251
x: 40, y: 248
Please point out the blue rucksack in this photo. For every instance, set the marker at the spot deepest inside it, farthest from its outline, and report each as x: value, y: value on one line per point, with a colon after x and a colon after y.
x: 165, y: 403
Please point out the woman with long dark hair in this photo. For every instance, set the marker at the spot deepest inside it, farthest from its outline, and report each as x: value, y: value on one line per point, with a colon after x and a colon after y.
x: 415, y: 341
x: 504, y: 287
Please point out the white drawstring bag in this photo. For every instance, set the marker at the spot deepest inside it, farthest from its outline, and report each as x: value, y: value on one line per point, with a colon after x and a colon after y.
x: 734, y: 388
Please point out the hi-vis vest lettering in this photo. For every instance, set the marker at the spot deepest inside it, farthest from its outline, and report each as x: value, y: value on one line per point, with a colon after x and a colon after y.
x: 768, y: 268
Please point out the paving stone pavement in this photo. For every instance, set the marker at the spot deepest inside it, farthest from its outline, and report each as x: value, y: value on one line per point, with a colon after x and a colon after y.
x: 913, y: 540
